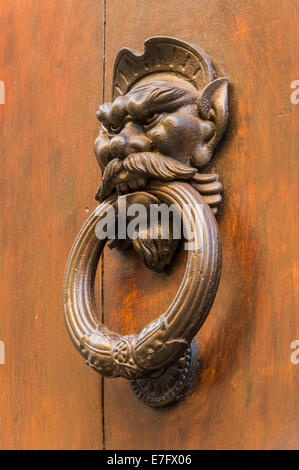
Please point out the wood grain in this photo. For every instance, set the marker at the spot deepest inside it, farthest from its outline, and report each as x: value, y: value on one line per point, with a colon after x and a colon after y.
x: 51, y: 64
x: 247, y: 393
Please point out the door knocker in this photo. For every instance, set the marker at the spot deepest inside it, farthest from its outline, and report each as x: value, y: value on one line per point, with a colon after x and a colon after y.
x: 156, y: 138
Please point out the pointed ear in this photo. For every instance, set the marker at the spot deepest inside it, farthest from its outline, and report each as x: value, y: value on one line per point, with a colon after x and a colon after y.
x: 212, y: 106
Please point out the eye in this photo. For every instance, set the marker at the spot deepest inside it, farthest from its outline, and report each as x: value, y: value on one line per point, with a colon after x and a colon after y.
x: 151, y: 120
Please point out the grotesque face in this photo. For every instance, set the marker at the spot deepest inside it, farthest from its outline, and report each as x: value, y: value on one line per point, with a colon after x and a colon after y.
x: 162, y: 128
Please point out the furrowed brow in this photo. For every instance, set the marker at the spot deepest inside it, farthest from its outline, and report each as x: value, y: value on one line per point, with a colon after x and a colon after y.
x: 148, y: 99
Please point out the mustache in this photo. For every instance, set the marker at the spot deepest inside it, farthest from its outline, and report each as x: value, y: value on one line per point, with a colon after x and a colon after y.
x: 147, y: 164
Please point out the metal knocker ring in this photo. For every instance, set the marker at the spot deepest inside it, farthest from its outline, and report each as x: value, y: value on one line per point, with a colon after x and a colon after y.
x: 165, y: 340
x: 160, y: 361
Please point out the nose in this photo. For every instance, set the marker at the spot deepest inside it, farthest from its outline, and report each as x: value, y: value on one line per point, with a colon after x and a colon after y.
x: 130, y: 140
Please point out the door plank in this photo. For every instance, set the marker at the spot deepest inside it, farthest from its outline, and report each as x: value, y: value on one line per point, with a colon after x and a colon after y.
x: 247, y: 391
x: 51, y: 66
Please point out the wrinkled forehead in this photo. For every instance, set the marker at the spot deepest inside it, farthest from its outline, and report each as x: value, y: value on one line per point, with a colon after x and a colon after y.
x: 155, y: 93
x: 160, y: 79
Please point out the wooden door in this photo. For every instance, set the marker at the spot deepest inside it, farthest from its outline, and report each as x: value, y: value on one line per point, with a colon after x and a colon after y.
x: 51, y: 66
x: 247, y: 390
x: 57, y: 65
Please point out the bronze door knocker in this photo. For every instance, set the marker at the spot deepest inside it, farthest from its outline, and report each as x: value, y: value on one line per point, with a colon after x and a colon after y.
x: 156, y: 137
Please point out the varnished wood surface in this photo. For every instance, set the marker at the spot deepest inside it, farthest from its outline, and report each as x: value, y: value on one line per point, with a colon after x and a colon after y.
x: 247, y: 393
x: 51, y: 64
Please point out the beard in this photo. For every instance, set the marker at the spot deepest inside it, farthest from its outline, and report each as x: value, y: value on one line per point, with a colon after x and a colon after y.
x: 132, y: 173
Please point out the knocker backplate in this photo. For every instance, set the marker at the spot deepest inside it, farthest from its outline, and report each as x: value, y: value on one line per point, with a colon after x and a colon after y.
x: 170, y: 385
